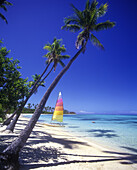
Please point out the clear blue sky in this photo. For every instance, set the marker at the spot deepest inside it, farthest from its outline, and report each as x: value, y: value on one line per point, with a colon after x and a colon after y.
x: 98, y: 81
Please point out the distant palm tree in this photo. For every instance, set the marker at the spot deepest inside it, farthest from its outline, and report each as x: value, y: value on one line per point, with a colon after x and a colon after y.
x: 15, y: 147
x: 3, y: 4
x: 35, y: 106
x: 29, y: 106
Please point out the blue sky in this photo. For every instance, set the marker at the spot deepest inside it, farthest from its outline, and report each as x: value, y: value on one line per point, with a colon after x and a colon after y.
x: 98, y: 81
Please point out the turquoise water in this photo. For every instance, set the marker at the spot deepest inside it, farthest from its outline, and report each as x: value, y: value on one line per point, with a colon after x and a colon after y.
x: 119, y: 131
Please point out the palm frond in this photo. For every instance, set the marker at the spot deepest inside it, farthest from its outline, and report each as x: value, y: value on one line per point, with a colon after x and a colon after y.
x: 2, y: 16
x: 93, y: 5
x: 61, y: 63
x: 8, y: 3
x: 87, y: 5
x: 64, y: 56
x: 3, y: 7
x: 71, y: 27
x: 102, y: 10
x: 104, y: 25
x: 93, y: 17
x: 96, y: 42
x: 71, y: 19
x: 62, y: 49
x: 77, y: 12
x: 47, y: 47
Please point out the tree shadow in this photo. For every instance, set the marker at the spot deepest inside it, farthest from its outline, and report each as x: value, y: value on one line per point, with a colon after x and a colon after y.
x: 125, y: 157
x: 53, y: 157
x: 42, y: 137
x: 130, y: 149
x: 5, y: 140
x: 29, y: 155
x: 103, y: 133
x: 65, y: 161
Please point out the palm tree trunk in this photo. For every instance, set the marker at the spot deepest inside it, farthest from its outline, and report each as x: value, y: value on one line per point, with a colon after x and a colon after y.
x: 43, y: 79
x: 16, y: 145
x: 19, y: 110
x: 11, y: 126
x: 34, y: 86
x: 7, y: 121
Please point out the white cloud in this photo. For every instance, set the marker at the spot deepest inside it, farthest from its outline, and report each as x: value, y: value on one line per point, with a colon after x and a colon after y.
x: 83, y: 111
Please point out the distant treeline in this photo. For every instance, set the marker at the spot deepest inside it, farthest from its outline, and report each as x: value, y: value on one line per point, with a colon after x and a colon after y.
x: 29, y: 110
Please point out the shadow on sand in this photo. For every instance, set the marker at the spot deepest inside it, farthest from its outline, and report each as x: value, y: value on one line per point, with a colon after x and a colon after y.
x: 53, y: 157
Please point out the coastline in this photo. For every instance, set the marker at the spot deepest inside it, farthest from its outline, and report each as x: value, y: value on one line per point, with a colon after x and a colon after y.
x: 55, y: 148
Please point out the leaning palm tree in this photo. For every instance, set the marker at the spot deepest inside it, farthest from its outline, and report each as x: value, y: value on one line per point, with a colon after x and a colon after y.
x: 3, y: 4
x: 19, y: 142
x: 54, y: 55
x: 35, y: 78
x: 86, y: 21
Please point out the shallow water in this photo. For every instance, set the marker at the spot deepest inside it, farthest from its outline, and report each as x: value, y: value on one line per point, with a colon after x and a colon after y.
x: 117, y: 131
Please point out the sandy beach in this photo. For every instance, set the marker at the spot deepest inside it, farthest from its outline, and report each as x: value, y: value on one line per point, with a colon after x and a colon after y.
x: 54, y: 148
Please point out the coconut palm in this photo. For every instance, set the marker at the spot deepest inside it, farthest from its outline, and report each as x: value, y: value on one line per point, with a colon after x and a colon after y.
x: 86, y: 21
x: 83, y: 37
x: 35, y: 78
x: 54, y: 55
x: 3, y: 4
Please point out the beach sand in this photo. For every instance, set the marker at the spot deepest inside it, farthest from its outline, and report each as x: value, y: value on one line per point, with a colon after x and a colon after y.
x: 54, y: 148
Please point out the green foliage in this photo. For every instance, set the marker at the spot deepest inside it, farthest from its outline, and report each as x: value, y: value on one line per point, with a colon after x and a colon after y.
x: 2, y: 115
x: 35, y: 78
x: 13, y: 88
x: 86, y: 21
x: 47, y: 109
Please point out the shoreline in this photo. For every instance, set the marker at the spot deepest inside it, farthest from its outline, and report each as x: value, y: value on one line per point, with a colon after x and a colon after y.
x: 53, y: 148
x: 100, y: 141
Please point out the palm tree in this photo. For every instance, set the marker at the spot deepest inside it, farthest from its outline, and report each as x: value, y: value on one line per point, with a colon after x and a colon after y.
x: 29, y: 106
x: 35, y: 78
x: 86, y: 21
x: 54, y: 55
x: 3, y: 4
x: 16, y: 145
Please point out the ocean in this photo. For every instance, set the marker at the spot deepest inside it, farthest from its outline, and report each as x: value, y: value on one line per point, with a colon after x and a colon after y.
x: 115, y: 131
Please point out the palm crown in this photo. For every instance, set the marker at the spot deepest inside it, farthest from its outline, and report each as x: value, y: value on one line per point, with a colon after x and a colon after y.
x: 3, y: 4
x: 54, y: 55
x: 86, y: 21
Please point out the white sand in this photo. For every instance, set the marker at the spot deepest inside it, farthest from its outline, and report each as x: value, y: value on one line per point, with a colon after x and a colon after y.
x: 53, y: 148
